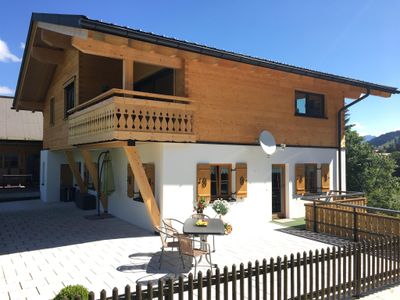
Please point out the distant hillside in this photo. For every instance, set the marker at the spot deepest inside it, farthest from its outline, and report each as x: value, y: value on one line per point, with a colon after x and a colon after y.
x: 389, y: 141
x: 367, y: 138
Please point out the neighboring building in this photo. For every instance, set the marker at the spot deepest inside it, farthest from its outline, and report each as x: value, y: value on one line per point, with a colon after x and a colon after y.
x: 21, y: 135
x: 185, y: 116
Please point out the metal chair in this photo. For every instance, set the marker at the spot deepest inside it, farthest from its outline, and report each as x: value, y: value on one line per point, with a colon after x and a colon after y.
x: 171, y: 226
x: 187, y: 246
x: 167, y: 241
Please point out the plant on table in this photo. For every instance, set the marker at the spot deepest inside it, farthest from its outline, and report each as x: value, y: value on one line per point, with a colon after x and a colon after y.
x: 221, y: 207
x: 200, y: 205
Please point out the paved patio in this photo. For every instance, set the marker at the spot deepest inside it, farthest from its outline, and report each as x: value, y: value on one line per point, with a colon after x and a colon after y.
x: 44, y: 247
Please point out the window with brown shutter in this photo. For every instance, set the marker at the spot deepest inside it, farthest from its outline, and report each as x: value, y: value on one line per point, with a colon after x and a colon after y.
x: 241, y: 180
x: 300, y: 179
x: 325, y: 178
x: 203, y: 181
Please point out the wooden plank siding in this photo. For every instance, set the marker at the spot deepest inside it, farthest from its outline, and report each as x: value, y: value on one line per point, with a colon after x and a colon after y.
x: 234, y: 101
x: 55, y: 137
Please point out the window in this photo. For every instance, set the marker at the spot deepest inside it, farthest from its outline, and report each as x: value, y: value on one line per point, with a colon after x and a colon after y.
x: 51, y: 112
x: 10, y: 160
x: 310, y: 105
x: 161, y: 82
x: 220, y: 181
x: 69, y: 96
x: 311, y: 178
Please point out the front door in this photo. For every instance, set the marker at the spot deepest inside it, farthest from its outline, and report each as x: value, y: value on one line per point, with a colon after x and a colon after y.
x: 278, y: 191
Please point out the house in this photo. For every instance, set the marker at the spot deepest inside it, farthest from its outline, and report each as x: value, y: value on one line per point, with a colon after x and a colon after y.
x: 20, y: 145
x: 180, y: 121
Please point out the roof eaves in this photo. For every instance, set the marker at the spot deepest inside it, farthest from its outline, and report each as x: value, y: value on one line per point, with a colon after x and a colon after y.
x: 80, y: 21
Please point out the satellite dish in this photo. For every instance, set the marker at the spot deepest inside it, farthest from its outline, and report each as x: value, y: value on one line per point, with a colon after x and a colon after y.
x: 267, y: 142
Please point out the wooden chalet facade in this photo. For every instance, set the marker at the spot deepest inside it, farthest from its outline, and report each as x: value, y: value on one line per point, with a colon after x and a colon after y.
x: 180, y: 120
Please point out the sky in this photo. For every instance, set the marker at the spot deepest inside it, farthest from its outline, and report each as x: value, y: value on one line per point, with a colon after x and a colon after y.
x: 357, y: 39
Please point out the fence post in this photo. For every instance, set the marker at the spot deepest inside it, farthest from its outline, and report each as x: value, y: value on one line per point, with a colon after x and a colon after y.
x: 315, y: 216
x: 357, y: 270
x: 355, y: 229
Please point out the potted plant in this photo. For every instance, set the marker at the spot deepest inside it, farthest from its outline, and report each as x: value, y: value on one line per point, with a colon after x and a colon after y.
x: 221, y: 207
x: 200, y: 205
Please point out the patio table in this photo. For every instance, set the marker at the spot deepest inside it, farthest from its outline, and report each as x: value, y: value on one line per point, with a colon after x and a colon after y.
x: 214, y: 227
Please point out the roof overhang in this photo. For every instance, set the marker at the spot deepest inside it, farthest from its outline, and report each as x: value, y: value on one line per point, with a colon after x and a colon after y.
x: 49, y: 35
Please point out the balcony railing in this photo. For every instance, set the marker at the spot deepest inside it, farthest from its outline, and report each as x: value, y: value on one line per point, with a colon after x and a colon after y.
x: 123, y: 115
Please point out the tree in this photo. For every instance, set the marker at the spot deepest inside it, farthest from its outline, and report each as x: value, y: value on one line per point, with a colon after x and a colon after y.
x: 396, y: 156
x: 371, y: 172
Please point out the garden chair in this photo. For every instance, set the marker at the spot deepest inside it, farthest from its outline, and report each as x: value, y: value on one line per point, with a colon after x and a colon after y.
x: 173, y: 226
x: 195, y: 249
x: 167, y: 241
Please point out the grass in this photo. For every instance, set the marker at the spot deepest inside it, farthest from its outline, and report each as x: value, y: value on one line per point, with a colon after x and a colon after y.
x: 297, y: 223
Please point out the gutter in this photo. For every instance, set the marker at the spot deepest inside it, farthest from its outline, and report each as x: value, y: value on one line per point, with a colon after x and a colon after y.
x: 339, y: 137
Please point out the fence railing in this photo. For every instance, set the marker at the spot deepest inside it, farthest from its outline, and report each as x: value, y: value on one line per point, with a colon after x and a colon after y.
x: 132, y: 115
x: 351, y: 219
x: 334, y: 273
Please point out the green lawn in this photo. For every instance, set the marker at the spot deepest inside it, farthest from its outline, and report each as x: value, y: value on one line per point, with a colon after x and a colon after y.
x: 297, y: 223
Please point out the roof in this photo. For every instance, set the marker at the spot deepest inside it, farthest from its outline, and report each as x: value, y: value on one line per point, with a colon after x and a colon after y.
x: 83, y: 22
x: 22, y: 125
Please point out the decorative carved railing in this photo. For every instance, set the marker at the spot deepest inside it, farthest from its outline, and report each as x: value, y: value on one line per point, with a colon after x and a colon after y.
x: 137, y: 118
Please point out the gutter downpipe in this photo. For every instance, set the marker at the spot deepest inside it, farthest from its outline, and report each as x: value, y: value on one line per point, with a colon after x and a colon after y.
x: 339, y: 139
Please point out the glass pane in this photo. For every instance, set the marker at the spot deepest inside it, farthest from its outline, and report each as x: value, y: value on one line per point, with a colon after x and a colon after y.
x: 10, y: 160
x: 315, y: 105
x: 224, y: 188
x: 300, y: 103
x: 214, y: 173
x: 214, y: 176
x: 224, y: 173
x: 311, y: 178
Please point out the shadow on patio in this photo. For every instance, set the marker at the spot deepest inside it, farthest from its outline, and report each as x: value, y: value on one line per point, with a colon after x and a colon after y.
x: 33, y: 225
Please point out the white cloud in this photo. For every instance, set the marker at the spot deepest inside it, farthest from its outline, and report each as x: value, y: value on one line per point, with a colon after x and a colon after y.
x: 6, y: 91
x: 5, y: 53
x: 22, y: 45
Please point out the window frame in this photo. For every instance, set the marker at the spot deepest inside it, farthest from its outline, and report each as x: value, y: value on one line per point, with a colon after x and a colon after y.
x: 218, y: 182
x: 307, y: 96
x: 71, y: 81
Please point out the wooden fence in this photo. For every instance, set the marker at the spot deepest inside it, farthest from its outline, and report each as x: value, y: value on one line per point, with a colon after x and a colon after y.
x: 350, y: 219
x: 334, y: 273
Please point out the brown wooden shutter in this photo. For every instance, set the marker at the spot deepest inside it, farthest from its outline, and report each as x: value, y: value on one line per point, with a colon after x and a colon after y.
x: 325, y: 178
x: 203, y: 181
x: 241, y: 180
x: 300, y: 179
x: 131, y: 183
x: 151, y: 175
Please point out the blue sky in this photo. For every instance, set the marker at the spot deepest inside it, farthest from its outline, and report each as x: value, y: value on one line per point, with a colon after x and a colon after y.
x: 358, y: 39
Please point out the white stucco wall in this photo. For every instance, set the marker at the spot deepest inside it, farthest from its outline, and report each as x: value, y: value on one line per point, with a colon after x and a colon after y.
x: 119, y: 203
x: 175, y: 182
x: 50, y: 162
x: 180, y: 171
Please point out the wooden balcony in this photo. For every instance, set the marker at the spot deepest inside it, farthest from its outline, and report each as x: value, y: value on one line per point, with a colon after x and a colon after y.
x: 131, y: 115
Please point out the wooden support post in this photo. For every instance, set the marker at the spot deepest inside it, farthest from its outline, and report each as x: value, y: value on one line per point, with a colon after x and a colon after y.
x: 143, y: 184
x: 75, y: 171
x: 93, y: 173
x: 128, y: 75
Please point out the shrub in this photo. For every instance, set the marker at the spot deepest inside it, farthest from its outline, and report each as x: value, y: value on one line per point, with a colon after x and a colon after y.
x: 71, y: 291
